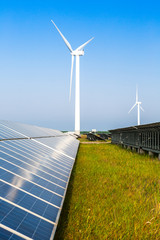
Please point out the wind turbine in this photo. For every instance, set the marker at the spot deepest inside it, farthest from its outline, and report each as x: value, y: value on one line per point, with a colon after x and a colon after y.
x: 77, y: 52
x: 138, y: 107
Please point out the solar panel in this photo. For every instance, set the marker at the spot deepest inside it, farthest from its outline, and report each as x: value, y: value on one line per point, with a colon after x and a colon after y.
x: 34, y: 171
x: 7, y: 133
x: 65, y: 144
x: 26, y: 130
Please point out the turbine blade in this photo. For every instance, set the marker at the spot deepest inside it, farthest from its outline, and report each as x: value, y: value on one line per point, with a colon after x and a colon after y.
x: 141, y: 108
x: 83, y: 45
x: 136, y: 93
x: 72, y: 63
x: 65, y: 40
x: 132, y: 107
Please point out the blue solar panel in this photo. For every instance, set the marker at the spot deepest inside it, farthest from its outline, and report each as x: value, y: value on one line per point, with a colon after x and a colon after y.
x: 5, y: 235
x: 30, y: 159
x: 37, y: 191
x: 6, y: 133
x: 65, y: 144
x: 23, y: 222
x: 30, y: 202
x: 29, y: 165
x: 35, y: 167
x: 33, y: 152
x: 37, y: 180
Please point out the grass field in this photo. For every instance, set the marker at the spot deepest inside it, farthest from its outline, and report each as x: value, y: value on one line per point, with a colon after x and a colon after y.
x: 113, y: 194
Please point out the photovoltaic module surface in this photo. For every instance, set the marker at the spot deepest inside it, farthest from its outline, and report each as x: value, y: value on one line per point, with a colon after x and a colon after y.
x: 35, y: 167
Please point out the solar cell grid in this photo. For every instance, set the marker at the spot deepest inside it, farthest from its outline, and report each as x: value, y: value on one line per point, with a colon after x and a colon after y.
x: 37, y: 172
x: 23, y: 222
x: 35, y: 191
x: 34, y: 176
x: 29, y: 202
x: 6, y: 233
x: 64, y: 144
x: 44, y: 150
x: 36, y: 187
x: 34, y: 157
x: 39, y: 154
x: 25, y: 162
x: 35, y: 195
x: 8, y: 134
x: 32, y: 161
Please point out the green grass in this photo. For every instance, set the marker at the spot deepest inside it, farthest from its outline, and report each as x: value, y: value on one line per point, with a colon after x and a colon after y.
x: 113, y: 194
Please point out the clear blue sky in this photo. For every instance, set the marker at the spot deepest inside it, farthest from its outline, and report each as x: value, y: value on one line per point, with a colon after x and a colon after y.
x: 35, y: 63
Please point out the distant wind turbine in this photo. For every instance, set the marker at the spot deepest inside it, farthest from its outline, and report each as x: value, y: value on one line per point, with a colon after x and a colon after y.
x: 78, y: 52
x: 138, y: 107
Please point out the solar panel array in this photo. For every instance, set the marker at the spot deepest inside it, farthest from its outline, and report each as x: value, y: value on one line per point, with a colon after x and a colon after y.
x: 35, y: 168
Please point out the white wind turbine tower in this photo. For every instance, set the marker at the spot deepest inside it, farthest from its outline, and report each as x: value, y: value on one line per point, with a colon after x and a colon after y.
x: 138, y: 107
x: 77, y: 52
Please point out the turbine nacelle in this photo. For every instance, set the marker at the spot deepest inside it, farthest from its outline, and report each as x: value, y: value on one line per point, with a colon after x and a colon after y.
x: 77, y: 53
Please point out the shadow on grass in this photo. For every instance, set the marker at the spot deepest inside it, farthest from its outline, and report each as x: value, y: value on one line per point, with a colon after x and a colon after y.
x: 63, y: 221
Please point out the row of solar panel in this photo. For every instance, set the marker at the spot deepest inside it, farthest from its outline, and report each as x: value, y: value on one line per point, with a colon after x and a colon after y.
x: 34, y: 178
